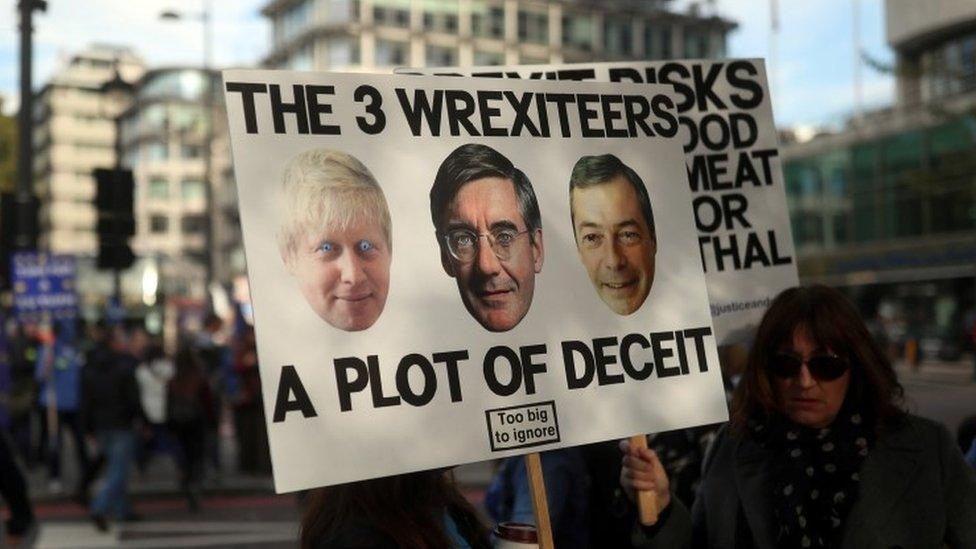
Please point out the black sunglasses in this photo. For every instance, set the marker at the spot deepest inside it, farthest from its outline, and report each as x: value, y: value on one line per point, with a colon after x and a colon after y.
x: 824, y: 367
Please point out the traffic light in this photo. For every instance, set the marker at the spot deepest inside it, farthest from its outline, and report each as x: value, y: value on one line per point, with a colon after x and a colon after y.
x: 116, y: 222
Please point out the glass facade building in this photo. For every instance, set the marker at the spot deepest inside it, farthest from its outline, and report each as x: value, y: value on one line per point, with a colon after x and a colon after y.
x: 886, y: 208
x: 917, y: 183
x: 164, y: 139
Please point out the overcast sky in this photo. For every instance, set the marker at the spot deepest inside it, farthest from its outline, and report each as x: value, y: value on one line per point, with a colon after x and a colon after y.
x: 812, y: 71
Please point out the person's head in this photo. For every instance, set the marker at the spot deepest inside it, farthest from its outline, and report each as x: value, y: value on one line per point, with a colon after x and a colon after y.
x: 117, y: 339
x: 335, y: 237
x: 812, y: 353
x: 212, y: 323
x: 489, y: 229
x: 186, y: 362
x: 98, y: 331
x: 407, y: 508
x: 614, y: 228
x: 154, y: 351
x: 138, y: 341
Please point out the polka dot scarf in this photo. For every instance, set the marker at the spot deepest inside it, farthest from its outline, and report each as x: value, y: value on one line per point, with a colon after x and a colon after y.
x: 816, y: 477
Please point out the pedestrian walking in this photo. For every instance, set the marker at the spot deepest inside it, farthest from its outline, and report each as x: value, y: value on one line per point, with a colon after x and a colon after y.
x: 20, y: 528
x: 112, y: 411
x: 249, y: 425
x: 210, y: 346
x: 189, y: 405
x: 153, y: 374
x: 58, y: 373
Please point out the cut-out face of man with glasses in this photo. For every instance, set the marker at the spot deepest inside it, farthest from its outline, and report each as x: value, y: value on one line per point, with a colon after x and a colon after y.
x: 490, y: 234
x: 614, y: 228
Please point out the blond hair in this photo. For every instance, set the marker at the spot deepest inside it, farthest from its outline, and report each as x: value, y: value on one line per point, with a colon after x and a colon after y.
x: 324, y: 189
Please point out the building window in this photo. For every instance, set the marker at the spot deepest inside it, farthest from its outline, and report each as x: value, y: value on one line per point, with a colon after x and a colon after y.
x: 483, y: 58
x: 441, y: 16
x: 696, y: 43
x: 440, y: 56
x: 578, y: 31
x: 532, y: 60
x: 488, y: 21
x: 949, y: 69
x: 387, y: 16
x: 807, y: 228
x: 650, y: 34
x: 293, y: 22
x: 617, y: 36
x: 158, y: 224
x: 533, y: 27
x: 193, y: 224
x: 189, y: 152
x: 301, y: 60
x: 665, y: 42
x: 192, y: 189
x: 158, y: 188
x: 392, y: 53
x: 343, y: 52
x: 340, y: 11
x: 155, y: 151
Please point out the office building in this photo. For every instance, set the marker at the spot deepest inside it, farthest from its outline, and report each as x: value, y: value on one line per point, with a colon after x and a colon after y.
x: 379, y: 35
x: 887, y: 207
x: 74, y: 133
x: 165, y: 139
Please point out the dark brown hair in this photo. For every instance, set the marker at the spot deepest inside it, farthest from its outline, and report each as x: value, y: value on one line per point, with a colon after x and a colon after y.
x: 408, y: 508
x: 188, y: 373
x: 474, y: 161
x: 832, y: 322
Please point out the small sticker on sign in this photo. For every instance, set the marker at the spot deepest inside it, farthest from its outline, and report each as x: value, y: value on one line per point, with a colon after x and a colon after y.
x: 522, y: 426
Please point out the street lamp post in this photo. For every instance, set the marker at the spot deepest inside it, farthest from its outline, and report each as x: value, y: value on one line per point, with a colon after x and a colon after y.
x: 26, y: 212
x: 204, y: 17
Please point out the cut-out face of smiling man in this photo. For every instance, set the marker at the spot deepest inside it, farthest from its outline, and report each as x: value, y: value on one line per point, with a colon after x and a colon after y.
x: 489, y: 231
x: 335, y: 237
x: 614, y: 228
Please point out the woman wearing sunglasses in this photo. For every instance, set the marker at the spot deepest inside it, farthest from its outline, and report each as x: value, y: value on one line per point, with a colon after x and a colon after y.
x: 818, y: 452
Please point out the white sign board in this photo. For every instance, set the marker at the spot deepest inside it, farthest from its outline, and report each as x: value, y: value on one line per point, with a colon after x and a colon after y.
x: 424, y: 295
x: 734, y: 173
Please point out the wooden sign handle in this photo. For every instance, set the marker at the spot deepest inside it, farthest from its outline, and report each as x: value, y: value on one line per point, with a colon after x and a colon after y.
x: 646, y: 500
x: 537, y: 486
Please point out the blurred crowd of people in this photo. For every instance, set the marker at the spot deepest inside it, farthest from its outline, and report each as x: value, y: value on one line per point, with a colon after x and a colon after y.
x: 110, y: 397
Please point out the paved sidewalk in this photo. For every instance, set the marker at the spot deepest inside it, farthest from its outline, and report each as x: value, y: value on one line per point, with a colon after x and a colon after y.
x: 958, y: 372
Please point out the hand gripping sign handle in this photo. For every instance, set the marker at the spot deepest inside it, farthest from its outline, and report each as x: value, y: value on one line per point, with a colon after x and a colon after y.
x: 537, y: 485
x: 646, y: 502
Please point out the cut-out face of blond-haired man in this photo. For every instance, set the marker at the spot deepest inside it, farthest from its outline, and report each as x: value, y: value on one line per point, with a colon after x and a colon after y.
x: 335, y: 238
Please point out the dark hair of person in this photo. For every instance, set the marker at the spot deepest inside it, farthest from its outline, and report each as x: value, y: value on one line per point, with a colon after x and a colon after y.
x: 406, y: 508
x: 591, y: 171
x: 212, y: 321
x: 471, y: 162
x: 188, y: 373
x: 154, y: 351
x: 833, y: 323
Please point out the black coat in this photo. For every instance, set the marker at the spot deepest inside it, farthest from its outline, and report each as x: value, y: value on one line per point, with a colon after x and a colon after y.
x: 109, y: 393
x: 916, y: 492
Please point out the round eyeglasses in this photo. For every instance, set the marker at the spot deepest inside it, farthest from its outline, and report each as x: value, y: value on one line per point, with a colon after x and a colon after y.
x: 464, y: 244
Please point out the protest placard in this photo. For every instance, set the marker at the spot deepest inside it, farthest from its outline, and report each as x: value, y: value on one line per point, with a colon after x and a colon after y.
x: 43, y: 286
x: 429, y: 291
x: 734, y: 173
